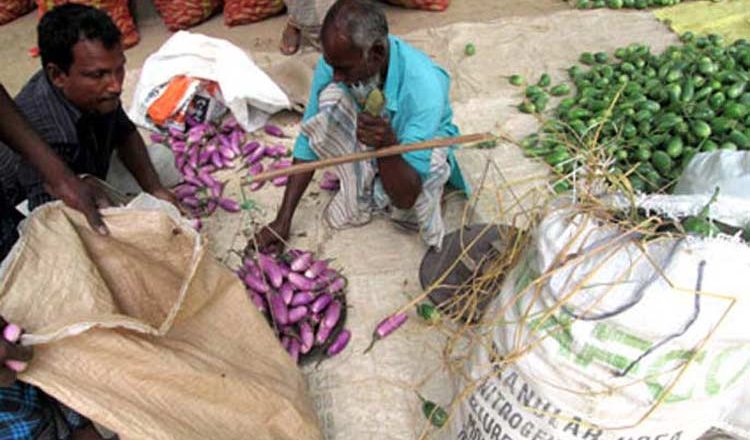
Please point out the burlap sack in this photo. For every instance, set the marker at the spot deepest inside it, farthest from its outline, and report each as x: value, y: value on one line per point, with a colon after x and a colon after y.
x: 145, y: 333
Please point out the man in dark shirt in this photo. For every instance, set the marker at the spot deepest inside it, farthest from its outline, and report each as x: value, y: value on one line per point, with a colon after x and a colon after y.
x: 74, y: 105
x: 74, y: 102
x: 25, y: 411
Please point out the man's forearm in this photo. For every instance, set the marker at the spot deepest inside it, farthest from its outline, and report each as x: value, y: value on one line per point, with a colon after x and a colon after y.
x: 19, y: 136
x: 292, y: 195
x: 136, y: 159
x: 400, y: 181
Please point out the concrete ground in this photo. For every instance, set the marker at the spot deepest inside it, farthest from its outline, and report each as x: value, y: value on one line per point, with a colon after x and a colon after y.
x: 17, y: 37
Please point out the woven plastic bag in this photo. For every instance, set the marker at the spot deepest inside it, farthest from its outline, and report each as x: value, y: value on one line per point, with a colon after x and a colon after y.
x: 427, y: 5
x: 12, y: 9
x: 182, y: 14
x: 118, y: 10
x: 145, y: 333
x: 237, y: 12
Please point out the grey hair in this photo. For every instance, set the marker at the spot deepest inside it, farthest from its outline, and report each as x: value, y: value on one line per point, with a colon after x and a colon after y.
x: 362, y: 21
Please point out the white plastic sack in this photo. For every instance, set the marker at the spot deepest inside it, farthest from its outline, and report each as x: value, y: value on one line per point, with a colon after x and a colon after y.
x: 614, y: 342
x: 250, y: 94
x: 729, y: 170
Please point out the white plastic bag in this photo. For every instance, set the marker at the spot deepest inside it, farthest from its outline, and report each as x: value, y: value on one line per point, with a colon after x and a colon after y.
x: 609, y: 339
x: 250, y: 94
x: 729, y: 170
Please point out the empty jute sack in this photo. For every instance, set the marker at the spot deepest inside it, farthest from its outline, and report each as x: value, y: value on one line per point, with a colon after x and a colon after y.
x: 145, y: 333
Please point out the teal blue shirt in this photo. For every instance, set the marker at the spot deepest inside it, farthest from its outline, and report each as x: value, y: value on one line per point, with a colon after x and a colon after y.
x: 417, y: 96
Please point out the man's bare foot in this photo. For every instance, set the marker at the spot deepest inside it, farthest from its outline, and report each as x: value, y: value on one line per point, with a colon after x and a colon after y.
x: 290, y: 40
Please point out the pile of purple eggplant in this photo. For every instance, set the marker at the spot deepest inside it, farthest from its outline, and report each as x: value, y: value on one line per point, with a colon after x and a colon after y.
x: 303, y: 299
x: 205, y: 148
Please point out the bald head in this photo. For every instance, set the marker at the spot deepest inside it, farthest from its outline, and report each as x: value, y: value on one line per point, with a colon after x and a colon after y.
x: 360, y: 22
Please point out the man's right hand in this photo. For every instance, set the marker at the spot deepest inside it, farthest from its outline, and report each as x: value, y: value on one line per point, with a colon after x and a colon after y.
x: 13, y: 357
x: 270, y: 239
x: 82, y: 196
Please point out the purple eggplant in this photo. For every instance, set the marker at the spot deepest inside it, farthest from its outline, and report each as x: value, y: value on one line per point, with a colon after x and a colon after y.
x: 217, y: 160
x: 287, y: 292
x: 158, y: 138
x: 386, y: 327
x: 250, y: 147
x: 281, y: 164
x: 302, y: 298
x: 271, y: 269
x: 183, y: 191
x: 307, y: 336
x: 323, y: 334
x: 176, y: 133
x: 337, y: 284
x: 255, y: 283
x: 300, y: 281
x: 321, y: 303
x: 296, y: 314
x: 204, y: 157
x: 255, y: 186
x: 280, y: 180
x: 274, y: 131
x: 255, y: 156
x: 216, y: 190
x: 332, y: 315
x: 285, y: 340
x: 301, y: 262
x: 229, y: 205
x: 279, y: 310
x: 179, y: 147
x: 340, y: 343
x: 190, y: 202
x: 255, y: 168
x: 315, y: 269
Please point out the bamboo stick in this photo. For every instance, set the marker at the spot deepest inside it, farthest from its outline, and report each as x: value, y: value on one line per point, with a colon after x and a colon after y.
x: 367, y: 155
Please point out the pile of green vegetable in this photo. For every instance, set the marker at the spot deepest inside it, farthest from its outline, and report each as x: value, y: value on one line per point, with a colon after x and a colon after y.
x: 652, y: 113
x: 620, y: 4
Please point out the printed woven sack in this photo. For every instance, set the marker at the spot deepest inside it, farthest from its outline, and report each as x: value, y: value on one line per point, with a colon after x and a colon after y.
x: 118, y: 10
x: 182, y: 14
x: 238, y: 12
x: 427, y: 5
x: 12, y: 9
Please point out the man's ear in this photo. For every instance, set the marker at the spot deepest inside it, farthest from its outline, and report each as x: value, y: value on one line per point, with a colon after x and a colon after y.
x: 56, y: 75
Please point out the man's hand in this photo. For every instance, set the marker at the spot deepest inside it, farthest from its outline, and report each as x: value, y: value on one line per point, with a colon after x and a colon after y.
x: 82, y: 196
x: 270, y: 239
x: 375, y: 132
x: 13, y: 357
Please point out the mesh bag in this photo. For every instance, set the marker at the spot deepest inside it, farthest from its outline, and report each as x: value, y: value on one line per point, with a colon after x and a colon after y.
x: 182, y: 14
x: 12, y: 9
x: 238, y: 12
x: 118, y: 10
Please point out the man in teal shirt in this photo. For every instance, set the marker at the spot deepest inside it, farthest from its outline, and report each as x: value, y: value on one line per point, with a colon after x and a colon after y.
x: 358, y: 57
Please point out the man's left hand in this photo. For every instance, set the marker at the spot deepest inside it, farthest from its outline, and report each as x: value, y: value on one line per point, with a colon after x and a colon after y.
x: 374, y: 131
x: 82, y: 196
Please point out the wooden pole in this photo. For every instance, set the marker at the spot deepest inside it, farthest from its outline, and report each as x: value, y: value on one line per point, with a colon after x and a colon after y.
x: 367, y: 155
